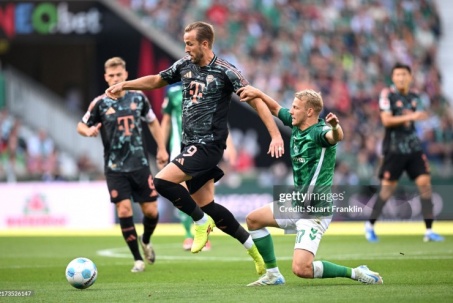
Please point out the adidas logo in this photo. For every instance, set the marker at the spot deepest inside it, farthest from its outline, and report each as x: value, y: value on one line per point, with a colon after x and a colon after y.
x: 187, y: 75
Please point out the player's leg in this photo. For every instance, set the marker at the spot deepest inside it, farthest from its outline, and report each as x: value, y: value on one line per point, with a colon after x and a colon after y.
x: 308, y: 238
x: 167, y: 183
x: 150, y: 219
x: 186, y: 222
x: 125, y: 216
x: 389, y: 173
x: 145, y: 194
x: 120, y: 192
x: 223, y: 218
x: 257, y: 221
x: 419, y: 172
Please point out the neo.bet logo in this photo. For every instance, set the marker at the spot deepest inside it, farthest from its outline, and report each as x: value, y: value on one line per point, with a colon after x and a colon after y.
x: 47, y: 18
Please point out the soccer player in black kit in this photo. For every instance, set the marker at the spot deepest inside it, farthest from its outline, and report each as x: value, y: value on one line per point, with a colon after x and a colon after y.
x: 208, y: 84
x: 400, y: 108
x: 126, y: 163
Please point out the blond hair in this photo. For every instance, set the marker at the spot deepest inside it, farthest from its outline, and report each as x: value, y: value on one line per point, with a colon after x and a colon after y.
x: 313, y: 98
x: 205, y: 31
x: 114, y: 62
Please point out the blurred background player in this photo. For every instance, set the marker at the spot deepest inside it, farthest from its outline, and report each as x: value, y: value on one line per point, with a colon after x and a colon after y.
x: 313, y: 148
x: 172, y: 129
x: 402, y: 149
x: 126, y: 166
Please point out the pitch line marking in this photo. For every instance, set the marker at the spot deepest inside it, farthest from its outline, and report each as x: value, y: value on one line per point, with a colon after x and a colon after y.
x: 122, y: 252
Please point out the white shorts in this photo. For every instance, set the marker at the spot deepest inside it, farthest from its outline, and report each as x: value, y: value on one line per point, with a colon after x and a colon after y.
x: 309, y: 231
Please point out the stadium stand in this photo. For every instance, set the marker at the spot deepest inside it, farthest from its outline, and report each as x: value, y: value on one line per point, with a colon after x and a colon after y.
x: 341, y: 48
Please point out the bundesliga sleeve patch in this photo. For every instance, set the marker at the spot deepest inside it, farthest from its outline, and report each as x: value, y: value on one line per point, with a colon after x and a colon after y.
x: 384, y: 103
x: 150, y: 116
x: 86, y: 117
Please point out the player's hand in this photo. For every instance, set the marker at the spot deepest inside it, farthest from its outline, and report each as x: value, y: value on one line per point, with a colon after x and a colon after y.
x: 114, y: 91
x: 161, y: 158
x: 277, y: 147
x: 248, y: 93
x: 332, y: 119
x: 420, y: 115
x: 93, y: 131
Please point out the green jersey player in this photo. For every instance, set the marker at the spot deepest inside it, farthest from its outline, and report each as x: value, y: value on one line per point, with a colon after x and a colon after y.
x: 313, y: 152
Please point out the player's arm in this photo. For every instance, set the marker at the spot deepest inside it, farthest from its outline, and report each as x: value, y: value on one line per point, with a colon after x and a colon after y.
x: 387, y: 117
x: 165, y: 125
x: 389, y: 120
x: 265, y: 109
x: 156, y: 132
x: 90, y: 125
x: 88, y: 131
x: 230, y: 153
x: 248, y: 93
x: 144, y: 83
x: 336, y: 133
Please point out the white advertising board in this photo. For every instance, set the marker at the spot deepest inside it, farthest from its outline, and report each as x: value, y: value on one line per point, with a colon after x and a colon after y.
x: 60, y: 205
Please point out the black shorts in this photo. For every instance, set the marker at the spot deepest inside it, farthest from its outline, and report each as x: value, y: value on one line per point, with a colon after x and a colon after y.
x: 138, y: 184
x: 200, y: 162
x: 394, y: 165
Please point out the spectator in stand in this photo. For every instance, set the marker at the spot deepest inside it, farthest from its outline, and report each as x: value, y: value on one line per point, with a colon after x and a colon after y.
x: 362, y: 38
x: 40, y: 148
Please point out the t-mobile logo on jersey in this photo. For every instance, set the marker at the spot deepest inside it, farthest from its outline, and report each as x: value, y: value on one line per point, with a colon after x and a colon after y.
x: 196, y: 90
x: 126, y: 124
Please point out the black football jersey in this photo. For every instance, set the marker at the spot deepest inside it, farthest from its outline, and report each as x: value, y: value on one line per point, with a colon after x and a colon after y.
x: 400, y: 139
x: 207, y: 95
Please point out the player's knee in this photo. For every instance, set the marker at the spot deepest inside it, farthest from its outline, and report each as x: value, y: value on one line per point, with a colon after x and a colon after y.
x: 303, y: 270
x: 150, y: 210
x: 159, y: 184
x: 252, y: 221
x: 124, y: 211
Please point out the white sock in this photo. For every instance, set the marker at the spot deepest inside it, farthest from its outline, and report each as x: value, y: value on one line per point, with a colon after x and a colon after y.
x: 259, y: 233
x: 318, y: 269
x: 248, y: 243
x: 428, y: 231
x: 273, y: 270
x: 202, y: 220
x: 353, y: 274
x: 369, y: 226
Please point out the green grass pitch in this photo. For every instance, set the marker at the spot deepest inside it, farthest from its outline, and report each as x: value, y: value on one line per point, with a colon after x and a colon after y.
x: 413, y: 271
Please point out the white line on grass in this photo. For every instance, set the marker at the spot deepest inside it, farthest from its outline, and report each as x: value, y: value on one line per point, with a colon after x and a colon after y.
x: 123, y: 252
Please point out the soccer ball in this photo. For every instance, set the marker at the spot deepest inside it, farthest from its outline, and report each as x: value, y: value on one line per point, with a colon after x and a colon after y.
x: 81, y: 273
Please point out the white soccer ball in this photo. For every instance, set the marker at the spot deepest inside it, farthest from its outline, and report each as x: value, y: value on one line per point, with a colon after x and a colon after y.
x: 81, y: 273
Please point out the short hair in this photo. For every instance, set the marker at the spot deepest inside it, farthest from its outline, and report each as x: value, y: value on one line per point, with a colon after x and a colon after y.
x: 401, y: 65
x: 205, y: 31
x: 114, y: 62
x: 314, y: 99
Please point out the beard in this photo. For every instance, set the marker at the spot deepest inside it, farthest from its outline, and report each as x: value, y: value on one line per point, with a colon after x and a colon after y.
x: 196, y: 59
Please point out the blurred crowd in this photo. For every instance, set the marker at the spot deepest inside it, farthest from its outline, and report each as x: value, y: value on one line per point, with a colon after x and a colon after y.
x: 343, y: 48
x: 32, y: 155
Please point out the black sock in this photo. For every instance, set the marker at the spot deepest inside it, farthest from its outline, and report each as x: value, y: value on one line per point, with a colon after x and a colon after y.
x: 180, y: 197
x: 149, y: 225
x: 130, y: 236
x: 427, y: 211
x: 377, y: 209
x: 225, y: 221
